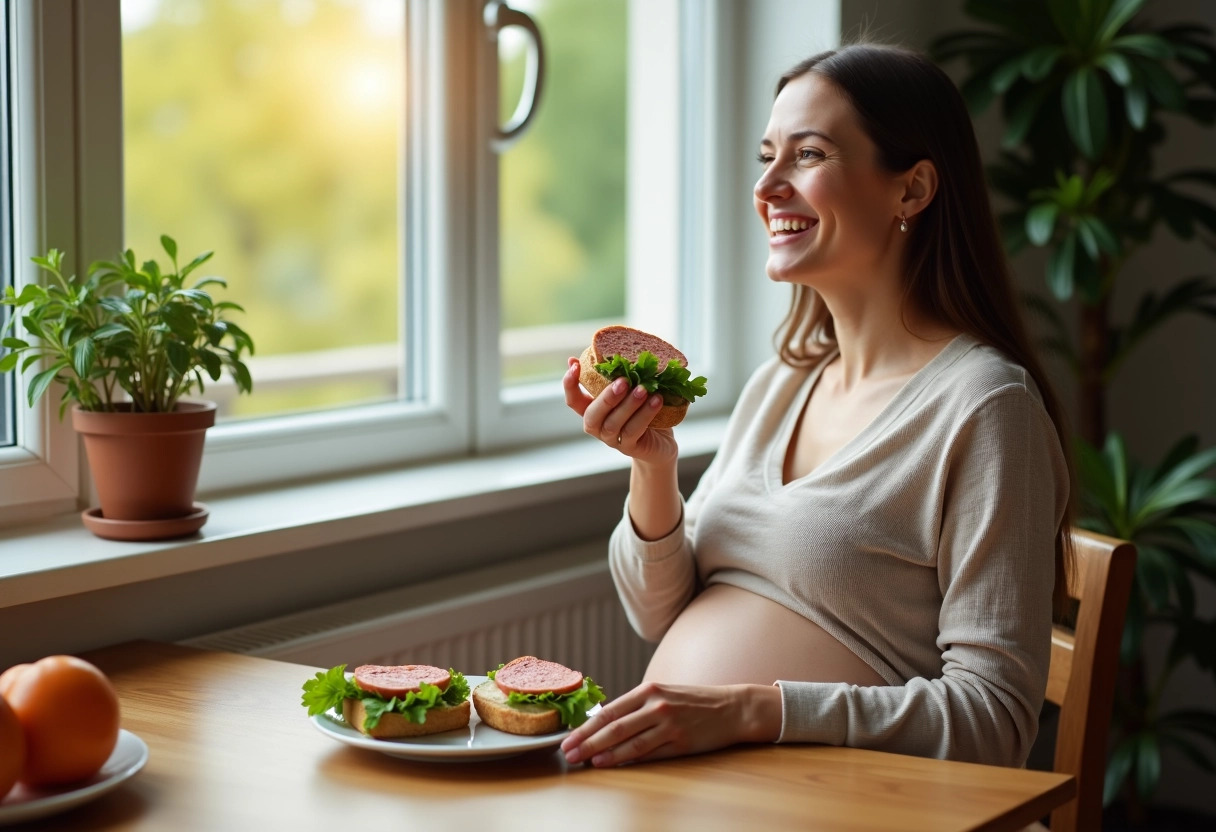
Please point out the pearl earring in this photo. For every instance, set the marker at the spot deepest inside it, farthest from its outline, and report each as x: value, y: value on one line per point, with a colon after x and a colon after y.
x: 903, y: 222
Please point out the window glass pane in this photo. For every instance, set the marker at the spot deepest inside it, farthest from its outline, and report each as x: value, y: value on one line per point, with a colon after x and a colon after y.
x: 8, y: 411
x: 562, y: 199
x: 270, y: 132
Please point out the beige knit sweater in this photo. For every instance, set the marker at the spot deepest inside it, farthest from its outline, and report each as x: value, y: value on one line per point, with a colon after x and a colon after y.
x: 925, y: 545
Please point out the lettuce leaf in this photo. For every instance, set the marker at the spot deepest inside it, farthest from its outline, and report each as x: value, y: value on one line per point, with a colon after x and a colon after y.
x: 673, y: 382
x: 330, y: 687
x: 328, y: 690
x: 572, y: 706
x: 458, y: 689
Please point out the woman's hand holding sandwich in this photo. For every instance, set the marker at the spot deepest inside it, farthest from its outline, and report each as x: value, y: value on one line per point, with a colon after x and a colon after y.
x: 656, y: 720
x: 620, y: 417
x: 619, y: 412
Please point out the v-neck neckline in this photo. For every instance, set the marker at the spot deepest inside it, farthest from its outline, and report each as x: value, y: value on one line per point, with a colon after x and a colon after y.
x: 902, y: 398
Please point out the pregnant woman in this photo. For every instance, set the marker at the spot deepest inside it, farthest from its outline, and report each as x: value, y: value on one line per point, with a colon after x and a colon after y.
x: 872, y: 557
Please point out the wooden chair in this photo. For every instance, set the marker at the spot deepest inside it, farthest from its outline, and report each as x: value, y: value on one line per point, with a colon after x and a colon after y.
x: 1081, y: 678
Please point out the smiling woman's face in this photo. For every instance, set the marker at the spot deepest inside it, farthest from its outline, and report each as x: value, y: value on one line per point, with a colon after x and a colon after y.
x: 823, y: 183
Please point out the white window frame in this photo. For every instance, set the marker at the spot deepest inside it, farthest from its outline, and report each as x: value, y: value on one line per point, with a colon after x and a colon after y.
x: 667, y: 39
x: 71, y: 194
x: 40, y: 475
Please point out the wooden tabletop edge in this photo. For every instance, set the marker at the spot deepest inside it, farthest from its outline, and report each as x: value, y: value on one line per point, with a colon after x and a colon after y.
x: 1037, y: 809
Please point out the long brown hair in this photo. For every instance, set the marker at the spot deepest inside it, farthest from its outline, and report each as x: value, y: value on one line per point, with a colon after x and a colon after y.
x: 955, y: 268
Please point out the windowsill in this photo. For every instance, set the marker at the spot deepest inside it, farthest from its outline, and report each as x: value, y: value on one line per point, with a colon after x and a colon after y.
x: 60, y: 557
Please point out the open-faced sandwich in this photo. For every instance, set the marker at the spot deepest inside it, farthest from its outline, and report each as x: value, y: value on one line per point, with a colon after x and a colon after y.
x: 387, y: 702
x: 534, y: 696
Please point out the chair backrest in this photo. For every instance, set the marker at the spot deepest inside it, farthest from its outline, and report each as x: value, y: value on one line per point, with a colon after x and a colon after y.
x: 1081, y: 679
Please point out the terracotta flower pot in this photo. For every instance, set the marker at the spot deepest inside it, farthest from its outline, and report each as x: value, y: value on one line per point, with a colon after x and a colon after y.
x: 145, y: 465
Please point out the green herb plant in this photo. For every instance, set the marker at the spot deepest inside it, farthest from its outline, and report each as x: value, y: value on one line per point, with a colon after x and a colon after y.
x: 674, y: 382
x: 130, y: 329
x: 1088, y: 89
x: 327, y: 690
x: 572, y: 707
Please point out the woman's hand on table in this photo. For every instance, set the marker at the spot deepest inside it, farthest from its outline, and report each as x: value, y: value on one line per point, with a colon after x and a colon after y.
x: 656, y: 720
x: 624, y: 414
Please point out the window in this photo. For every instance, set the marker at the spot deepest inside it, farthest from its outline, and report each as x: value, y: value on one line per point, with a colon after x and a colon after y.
x: 412, y: 291
x: 8, y: 410
x: 562, y: 189
x: 283, y: 157
x: 38, y: 471
x: 292, y: 164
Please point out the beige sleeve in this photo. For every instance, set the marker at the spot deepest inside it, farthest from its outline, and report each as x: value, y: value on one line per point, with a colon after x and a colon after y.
x: 1005, y: 491
x: 656, y: 579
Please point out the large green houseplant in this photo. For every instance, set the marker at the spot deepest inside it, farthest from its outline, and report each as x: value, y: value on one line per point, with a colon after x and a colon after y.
x: 1083, y: 86
x: 125, y: 344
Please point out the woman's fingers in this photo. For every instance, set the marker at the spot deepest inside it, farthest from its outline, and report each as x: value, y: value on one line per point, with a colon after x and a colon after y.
x: 639, y: 421
x: 606, y: 416
x: 618, y: 416
x: 576, y: 399
x: 608, y: 713
x: 630, y: 727
x: 614, y: 741
x: 663, y: 752
x: 655, y: 720
x: 631, y: 402
x: 641, y: 746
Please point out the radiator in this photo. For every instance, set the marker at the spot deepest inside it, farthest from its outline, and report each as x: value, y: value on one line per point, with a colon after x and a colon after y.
x: 560, y: 606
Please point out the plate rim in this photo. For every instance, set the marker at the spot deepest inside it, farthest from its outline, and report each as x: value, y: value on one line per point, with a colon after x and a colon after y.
x: 41, y: 807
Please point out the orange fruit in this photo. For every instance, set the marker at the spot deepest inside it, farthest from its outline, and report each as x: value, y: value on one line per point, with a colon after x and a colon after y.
x: 12, y: 748
x: 8, y: 676
x: 68, y: 712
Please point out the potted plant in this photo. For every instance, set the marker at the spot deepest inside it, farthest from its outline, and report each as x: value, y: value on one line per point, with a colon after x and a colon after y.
x: 126, y: 345
x: 1083, y: 86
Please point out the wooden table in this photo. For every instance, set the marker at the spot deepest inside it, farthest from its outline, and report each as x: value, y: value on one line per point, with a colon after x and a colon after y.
x: 232, y: 749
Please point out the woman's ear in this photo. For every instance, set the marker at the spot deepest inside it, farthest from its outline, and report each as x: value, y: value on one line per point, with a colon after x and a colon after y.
x: 920, y: 185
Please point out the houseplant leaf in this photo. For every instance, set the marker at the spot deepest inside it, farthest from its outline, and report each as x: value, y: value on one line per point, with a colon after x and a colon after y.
x: 1146, y: 44
x: 1105, y: 239
x: 195, y: 263
x: 1117, y: 16
x: 1160, y: 83
x: 84, y: 352
x: 1135, y: 97
x: 1119, y: 768
x: 40, y: 382
x: 1115, y: 456
x: 1148, y: 764
x: 1116, y: 66
x: 1038, y: 62
x: 1085, y: 111
x: 1041, y: 222
x: 1060, y: 268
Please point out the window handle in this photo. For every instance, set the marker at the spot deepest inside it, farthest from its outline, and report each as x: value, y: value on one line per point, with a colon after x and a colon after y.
x: 498, y: 16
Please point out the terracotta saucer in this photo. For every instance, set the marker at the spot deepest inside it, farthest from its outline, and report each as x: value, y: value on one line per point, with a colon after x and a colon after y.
x: 165, y: 529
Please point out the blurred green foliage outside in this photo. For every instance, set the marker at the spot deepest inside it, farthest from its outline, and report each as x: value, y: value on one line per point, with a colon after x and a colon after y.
x: 270, y: 131
x: 562, y: 202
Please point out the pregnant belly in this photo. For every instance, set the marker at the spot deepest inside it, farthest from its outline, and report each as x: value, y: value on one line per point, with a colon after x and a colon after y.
x: 730, y: 636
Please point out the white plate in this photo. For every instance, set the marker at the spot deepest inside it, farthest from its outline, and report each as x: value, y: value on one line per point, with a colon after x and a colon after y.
x: 477, y: 742
x: 24, y: 804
